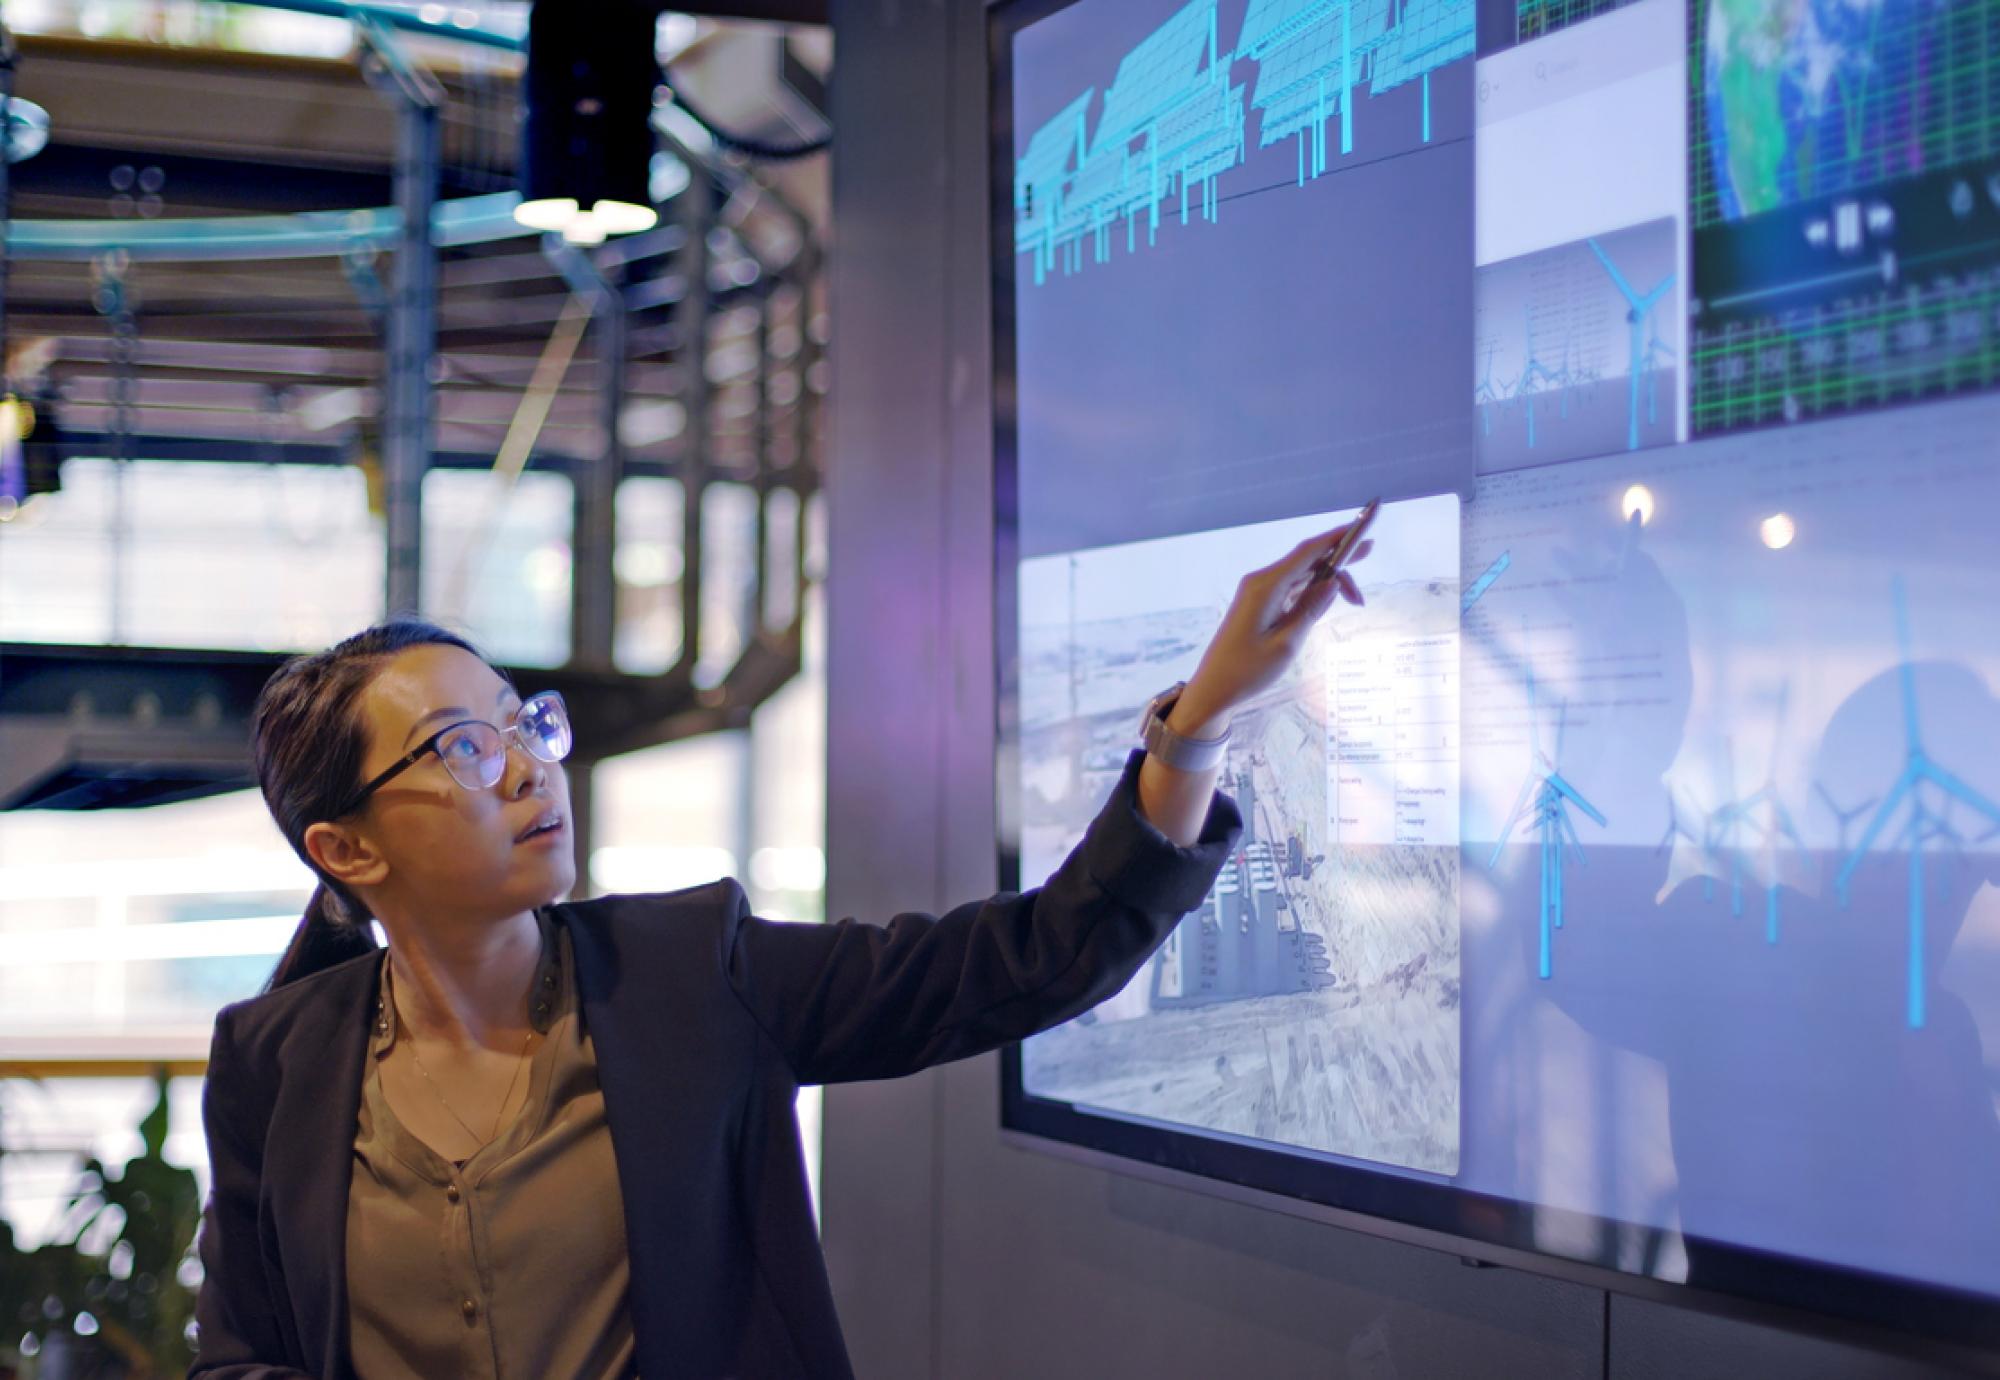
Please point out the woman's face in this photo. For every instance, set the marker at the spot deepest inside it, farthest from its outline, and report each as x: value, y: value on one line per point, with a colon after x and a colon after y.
x: 440, y: 848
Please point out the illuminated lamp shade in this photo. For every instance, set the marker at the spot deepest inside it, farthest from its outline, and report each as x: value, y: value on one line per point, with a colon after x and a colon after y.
x: 623, y: 217
x: 586, y: 130
x: 584, y: 228
x: 550, y: 213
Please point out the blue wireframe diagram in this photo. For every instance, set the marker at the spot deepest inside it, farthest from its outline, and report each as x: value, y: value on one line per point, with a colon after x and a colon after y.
x: 1925, y: 823
x: 1641, y: 317
x: 1172, y: 121
x: 1763, y: 815
x: 1170, y: 115
x: 1549, y: 797
x: 1056, y: 150
x: 1429, y: 33
x: 1310, y: 56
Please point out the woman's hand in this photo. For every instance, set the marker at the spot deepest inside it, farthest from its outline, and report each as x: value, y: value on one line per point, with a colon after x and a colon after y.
x: 1261, y: 634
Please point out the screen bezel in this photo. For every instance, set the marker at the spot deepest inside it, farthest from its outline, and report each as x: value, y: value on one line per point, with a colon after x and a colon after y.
x: 1922, y: 1321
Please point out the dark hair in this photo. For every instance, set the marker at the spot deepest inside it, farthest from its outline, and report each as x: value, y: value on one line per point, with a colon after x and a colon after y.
x: 307, y: 740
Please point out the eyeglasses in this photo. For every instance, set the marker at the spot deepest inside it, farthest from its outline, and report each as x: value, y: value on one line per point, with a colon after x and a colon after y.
x: 474, y: 752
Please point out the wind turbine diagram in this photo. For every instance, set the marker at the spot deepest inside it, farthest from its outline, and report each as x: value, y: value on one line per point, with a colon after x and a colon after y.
x: 1558, y: 381
x: 1486, y: 397
x: 1545, y: 798
x: 1763, y: 813
x: 1924, y: 822
x: 1842, y: 818
x: 1639, y: 316
x: 1675, y: 829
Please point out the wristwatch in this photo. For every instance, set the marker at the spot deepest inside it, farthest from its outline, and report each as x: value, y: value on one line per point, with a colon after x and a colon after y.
x: 1175, y: 750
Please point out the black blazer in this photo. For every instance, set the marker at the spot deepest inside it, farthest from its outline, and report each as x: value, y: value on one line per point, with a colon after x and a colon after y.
x: 705, y: 1021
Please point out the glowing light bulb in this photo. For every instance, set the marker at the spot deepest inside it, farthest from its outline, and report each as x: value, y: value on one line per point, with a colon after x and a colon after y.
x: 550, y: 213
x: 623, y: 217
x: 1638, y: 499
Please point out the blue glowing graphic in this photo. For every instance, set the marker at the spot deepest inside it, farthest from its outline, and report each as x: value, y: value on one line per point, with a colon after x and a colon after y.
x: 1842, y: 818
x: 1479, y: 586
x: 1056, y: 150
x: 1173, y: 121
x: 1170, y: 121
x: 1763, y: 815
x: 1549, y: 796
x: 1310, y: 54
x: 1925, y: 823
x: 1641, y: 317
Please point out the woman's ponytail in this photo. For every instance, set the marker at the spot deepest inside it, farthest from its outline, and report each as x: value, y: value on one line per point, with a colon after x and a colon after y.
x: 326, y: 935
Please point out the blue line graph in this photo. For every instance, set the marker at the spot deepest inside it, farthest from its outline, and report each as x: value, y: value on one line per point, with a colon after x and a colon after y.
x: 1639, y: 314
x: 1925, y: 823
x: 1549, y: 797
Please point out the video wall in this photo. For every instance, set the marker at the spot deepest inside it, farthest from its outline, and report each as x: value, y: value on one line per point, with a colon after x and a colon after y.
x: 1621, y: 883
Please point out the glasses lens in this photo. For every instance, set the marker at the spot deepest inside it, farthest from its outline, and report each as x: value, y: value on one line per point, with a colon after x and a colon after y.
x: 545, y: 727
x: 473, y: 754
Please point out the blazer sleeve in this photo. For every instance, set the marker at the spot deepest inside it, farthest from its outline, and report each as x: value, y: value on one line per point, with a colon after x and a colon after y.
x: 848, y: 1001
x: 237, y: 1335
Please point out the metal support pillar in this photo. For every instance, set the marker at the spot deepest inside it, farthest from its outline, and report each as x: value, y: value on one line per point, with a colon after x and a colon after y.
x: 593, y: 586
x: 7, y: 53
x: 696, y: 211
x: 406, y: 422
x: 583, y: 822
x: 760, y: 583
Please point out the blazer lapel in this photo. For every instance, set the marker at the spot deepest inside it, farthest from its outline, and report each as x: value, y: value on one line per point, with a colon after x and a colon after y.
x: 639, y: 1030
x: 309, y: 1156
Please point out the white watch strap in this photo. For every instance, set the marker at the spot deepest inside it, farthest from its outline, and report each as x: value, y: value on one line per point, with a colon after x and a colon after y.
x: 1180, y: 752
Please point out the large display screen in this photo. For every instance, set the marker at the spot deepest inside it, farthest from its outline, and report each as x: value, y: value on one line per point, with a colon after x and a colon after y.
x: 1621, y: 882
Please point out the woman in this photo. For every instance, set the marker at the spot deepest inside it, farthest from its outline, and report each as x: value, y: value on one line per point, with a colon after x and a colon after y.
x: 547, y: 1139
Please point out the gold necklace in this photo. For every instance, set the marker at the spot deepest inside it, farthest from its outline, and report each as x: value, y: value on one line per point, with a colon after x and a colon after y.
x: 520, y: 1062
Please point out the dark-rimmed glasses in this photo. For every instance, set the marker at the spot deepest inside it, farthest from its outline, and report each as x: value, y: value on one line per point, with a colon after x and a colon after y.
x: 474, y: 752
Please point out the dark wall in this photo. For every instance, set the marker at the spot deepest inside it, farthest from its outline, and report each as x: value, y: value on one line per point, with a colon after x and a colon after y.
x: 952, y: 1254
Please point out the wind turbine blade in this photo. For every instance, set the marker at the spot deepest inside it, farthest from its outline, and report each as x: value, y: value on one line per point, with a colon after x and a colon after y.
x: 1895, y: 798
x: 1575, y: 843
x: 1631, y: 297
x: 1580, y: 803
x: 1513, y: 818
x: 1966, y: 795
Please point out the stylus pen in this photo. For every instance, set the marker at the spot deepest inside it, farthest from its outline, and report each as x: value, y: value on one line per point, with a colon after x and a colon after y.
x: 1323, y: 568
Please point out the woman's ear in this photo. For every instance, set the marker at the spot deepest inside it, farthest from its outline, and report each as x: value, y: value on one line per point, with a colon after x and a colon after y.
x: 344, y: 855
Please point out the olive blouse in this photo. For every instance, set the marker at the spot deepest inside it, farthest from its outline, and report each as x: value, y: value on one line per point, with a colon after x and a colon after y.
x: 510, y: 1263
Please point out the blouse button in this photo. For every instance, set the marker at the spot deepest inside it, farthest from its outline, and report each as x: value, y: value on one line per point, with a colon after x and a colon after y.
x: 451, y: 1193
x: 470, y: 1309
